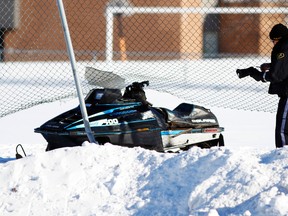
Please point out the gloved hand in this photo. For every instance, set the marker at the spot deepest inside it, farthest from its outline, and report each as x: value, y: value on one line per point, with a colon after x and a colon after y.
x: 251, y: 71
x: 265, y: 67
x: 257, y: 75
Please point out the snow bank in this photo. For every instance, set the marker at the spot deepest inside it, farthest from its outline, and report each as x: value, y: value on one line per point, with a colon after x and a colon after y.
x: 112, y: 180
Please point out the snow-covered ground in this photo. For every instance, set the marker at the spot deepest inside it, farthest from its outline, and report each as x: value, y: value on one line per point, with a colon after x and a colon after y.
x: 246, y: 177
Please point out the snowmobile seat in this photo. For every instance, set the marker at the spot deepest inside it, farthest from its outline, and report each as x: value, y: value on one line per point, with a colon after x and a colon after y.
x: 174, y: 119
x: 184, y: 109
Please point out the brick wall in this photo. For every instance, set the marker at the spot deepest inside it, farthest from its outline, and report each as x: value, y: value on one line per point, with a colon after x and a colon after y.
x: 147, y: 36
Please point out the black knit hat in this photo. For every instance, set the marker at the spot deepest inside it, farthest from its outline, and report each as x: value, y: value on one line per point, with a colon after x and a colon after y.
x: 278, y: 31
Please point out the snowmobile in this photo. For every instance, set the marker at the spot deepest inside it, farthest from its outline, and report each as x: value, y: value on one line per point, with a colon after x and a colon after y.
x: 130, y: 120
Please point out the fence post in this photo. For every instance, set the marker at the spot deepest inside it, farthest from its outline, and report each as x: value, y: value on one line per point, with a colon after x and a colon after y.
x: 74, y: 70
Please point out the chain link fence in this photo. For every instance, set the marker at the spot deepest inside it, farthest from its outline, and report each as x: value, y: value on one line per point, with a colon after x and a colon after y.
x: 190, y: 49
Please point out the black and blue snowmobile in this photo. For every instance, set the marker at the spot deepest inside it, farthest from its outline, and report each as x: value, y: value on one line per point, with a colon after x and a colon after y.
x: 130, y: 120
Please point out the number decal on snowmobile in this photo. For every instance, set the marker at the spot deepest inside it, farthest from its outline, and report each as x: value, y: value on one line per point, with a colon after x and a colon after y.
x: 101, y: 122
x: 105, y: 122
x: 112, y: 121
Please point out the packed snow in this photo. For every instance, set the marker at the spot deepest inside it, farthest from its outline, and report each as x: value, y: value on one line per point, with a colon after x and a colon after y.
x: 246, y: 177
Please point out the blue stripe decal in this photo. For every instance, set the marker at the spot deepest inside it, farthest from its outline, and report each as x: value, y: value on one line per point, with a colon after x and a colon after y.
x: 284, y: 118
x: 107, y: 112
x: 122, y: 105
x: 173, y: 132
x: 123, y: 123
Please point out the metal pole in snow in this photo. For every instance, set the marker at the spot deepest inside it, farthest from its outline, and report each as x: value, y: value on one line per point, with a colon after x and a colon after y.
x: 73, y: 65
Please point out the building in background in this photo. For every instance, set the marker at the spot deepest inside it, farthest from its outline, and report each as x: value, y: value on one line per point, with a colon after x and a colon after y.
x: 31, y: 30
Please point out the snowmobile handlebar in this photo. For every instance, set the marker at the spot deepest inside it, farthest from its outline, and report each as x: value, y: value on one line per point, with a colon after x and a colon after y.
x: 135, y: 91
x: 138, y: 85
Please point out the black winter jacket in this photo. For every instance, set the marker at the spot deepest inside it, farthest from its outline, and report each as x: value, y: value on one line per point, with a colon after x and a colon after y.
x: 278, y: 72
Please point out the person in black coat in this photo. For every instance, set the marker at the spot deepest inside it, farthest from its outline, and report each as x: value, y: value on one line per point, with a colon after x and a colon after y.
x: 276, y: 73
